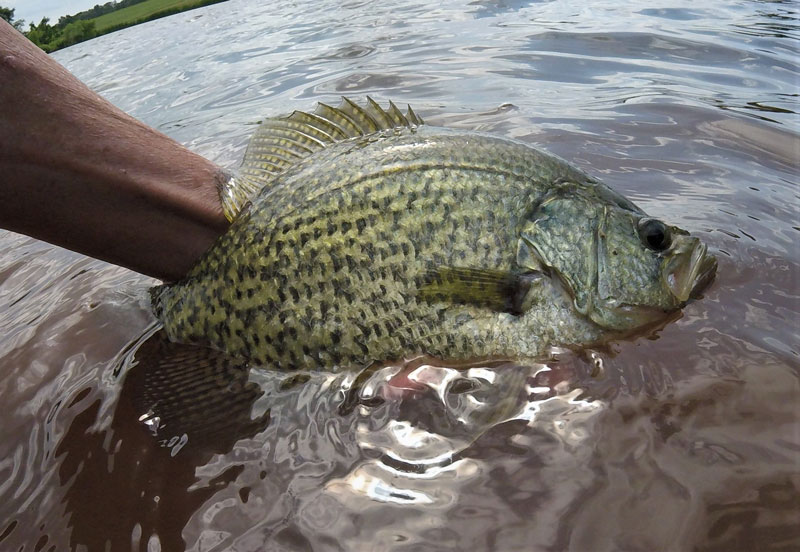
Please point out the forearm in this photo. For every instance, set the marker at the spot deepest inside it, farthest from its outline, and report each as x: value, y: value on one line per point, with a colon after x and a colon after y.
x: 78, y: 172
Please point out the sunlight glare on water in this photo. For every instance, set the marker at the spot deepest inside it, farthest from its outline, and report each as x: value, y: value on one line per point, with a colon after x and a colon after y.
x: 684, y: 439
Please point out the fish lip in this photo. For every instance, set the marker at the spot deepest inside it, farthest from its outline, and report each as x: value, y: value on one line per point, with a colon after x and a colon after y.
x: 703, y: 272
x: 689, y: 270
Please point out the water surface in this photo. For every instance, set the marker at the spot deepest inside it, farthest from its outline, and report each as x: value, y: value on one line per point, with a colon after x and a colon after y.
x: 684, y: 439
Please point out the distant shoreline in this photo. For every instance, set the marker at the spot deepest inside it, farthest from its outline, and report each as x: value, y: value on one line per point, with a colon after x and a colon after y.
x: 55, y: 37
x: 103, y: 26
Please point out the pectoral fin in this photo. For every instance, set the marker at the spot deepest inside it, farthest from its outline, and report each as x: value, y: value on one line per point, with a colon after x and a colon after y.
x: 498, y: 290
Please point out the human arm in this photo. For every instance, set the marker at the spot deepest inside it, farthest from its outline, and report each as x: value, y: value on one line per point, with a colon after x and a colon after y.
x: 78, y: 172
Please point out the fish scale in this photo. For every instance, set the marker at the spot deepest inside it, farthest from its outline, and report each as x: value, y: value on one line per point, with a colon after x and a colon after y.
x: 343, y: 221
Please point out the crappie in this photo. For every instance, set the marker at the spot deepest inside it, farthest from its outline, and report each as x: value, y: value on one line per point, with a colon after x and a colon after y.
x: 370, y: 236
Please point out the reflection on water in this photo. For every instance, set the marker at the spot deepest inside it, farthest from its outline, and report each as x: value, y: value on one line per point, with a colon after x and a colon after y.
x: 686, y: 439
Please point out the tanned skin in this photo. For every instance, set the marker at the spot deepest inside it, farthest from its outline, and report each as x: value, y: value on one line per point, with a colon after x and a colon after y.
x: 77, y: 172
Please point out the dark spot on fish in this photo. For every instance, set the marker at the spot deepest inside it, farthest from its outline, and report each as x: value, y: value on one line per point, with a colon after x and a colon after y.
x: 403, y: 341
x: 346, y: 227
x: 295, y: 294
x: 278, y: 246
x: 304, y: 239
x: 336, y: 336
x: 361, y: 224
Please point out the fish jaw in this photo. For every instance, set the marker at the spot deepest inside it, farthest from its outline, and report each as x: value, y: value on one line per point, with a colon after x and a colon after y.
x: 689, y: 270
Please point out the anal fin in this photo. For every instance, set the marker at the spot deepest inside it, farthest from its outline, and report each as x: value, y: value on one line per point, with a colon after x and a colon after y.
x: 192, y: 393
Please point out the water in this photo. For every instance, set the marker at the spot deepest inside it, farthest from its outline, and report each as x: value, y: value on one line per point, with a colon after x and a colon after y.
x: 685, y: 439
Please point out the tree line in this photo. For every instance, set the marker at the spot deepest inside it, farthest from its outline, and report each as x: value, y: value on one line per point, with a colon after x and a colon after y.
x: 69, y: 30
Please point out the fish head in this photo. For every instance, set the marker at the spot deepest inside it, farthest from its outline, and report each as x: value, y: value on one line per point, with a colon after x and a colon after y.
x: 622, y: 268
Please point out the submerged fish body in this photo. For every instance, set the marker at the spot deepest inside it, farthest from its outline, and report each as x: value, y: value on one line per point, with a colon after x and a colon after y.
x: 370, y: 236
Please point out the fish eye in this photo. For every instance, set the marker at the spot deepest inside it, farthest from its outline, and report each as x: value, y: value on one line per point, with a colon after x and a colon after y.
x: 654, y: 234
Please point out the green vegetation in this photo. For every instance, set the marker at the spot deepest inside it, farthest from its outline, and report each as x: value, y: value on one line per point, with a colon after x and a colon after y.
x: 145, y: 11
x: 8, y: 15
x: 99, y: 20
x: 52, y: 37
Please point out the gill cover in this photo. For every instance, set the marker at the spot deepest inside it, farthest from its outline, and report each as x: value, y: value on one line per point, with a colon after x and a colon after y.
x: 593, y: 244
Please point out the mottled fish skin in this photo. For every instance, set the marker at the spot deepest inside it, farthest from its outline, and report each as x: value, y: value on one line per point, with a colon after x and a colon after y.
x: 325, y: 268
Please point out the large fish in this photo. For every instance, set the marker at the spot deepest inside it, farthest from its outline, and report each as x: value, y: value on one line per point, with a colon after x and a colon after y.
x: 369, y: 236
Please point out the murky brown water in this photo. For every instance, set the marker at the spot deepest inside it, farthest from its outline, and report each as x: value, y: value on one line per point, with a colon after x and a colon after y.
x: 688, y: 439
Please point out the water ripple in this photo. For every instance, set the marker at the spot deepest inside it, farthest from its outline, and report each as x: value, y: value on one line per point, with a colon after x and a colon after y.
x: 685, y: 438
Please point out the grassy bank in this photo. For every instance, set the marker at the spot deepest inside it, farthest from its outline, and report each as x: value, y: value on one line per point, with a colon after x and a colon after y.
x: 80, y: 27
x: 146, y: 11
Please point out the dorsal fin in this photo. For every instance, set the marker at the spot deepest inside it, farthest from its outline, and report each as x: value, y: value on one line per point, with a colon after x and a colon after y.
x: 280, y: 143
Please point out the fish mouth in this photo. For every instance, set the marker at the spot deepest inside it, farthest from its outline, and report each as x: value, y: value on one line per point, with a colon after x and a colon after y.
x: 689, y: 270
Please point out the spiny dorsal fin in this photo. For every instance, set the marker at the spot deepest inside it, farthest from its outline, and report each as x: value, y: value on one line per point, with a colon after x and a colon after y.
x: 279, y: 143
x: 498, y: 290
